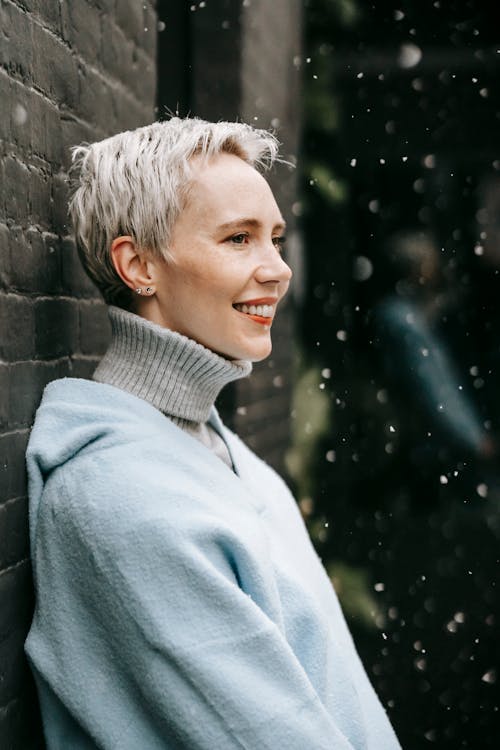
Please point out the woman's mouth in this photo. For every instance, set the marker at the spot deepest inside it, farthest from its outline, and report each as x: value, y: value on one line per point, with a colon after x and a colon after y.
x: 259, y: 313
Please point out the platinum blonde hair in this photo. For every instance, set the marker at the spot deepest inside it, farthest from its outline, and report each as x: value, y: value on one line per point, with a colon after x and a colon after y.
x: 136, y: 183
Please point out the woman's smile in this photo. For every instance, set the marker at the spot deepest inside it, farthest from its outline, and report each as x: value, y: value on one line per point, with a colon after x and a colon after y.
x: 258, y: 310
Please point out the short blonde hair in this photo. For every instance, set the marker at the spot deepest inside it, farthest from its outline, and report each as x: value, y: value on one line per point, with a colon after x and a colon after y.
x: 135, y: 183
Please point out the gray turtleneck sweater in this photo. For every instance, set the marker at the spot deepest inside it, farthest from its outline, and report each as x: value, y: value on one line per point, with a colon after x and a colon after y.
x: 173, y: 373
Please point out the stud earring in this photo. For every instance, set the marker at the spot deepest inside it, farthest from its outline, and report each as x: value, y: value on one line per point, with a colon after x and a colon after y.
x: 138, y: 290
x: 149, y: 290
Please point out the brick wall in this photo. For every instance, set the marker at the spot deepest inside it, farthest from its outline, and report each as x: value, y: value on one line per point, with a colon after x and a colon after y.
x: 69, y: 72
x: 78, y: 71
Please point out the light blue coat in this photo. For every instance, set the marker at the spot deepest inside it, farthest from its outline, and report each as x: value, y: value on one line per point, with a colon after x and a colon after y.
x: 179, y: 605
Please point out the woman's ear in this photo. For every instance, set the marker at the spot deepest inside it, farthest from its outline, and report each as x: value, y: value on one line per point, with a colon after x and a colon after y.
x: 131, y: 266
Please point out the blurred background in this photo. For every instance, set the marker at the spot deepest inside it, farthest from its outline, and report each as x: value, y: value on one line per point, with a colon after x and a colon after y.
x: 397, y: 405
x: 380, y: 402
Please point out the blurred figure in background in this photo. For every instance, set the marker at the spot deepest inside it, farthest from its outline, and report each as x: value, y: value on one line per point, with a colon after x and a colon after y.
x: 446, y: 425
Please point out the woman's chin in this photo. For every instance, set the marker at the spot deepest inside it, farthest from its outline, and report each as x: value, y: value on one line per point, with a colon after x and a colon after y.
x: 258, y: 353
x: 252, y: 353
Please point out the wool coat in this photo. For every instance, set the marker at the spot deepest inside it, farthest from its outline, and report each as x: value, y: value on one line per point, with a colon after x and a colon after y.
x: 179, y: 604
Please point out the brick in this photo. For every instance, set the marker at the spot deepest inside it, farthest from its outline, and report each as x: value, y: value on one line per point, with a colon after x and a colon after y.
x: 3, y: 208
x: 261, y: 385
x: 12, y: 464
x: 133, y: 18
x: 55, y: 69
x: 127, y: 63
x: 21, y: 114
x: 56, y: 327
x: 20, y: 726
x: 81, y: 28
x: 59, y: 220
x: 267, y: 409
x: 37, y: 56
x: 16, y: 602
x: 129, y: 112
x: 40, y: 198
x: 5, y: 96
x: 14, y: 532
x: 4, y: 255
x: 33, y: 262
x: 27, y: 200
x: 45, y: 133
x: 149, y: 40
x: 142, y: 79
x: 118, y: 52
x: 4, y: 397
x: 112, y: 108
x: 108, y: 6
x: 15, y: 611
x: 21, y: 387
x: 267, y: 437
x: 83, y: 367
x: 48, y: 13
x: 95, y: 101
x: 133, y: 115
x: 34, y: 122
x: 74, y: 279
x: 11, y: 664
x: 18, y: 326
x: 74, y: 132
x: 17, y: 177
x: 16, y: 50
x: 94, y: 328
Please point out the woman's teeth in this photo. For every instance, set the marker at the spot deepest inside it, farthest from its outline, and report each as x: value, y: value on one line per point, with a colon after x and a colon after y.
x: 264, y: 311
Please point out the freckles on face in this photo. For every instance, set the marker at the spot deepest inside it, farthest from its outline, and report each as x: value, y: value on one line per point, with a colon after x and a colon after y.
x: 226, y: 252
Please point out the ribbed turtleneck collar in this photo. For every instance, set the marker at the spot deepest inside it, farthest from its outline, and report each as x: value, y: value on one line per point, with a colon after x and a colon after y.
x: 175, y: 374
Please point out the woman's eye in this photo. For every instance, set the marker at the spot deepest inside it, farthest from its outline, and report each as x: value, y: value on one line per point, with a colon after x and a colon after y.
x: 239, y: 239
x: 279, y: 242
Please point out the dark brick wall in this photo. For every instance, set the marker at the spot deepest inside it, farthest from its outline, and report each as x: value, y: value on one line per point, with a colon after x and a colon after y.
x: 78, y: 71
x: 69, y: 72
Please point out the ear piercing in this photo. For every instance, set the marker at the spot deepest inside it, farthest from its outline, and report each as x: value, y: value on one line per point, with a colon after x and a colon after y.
x: 148, y: 290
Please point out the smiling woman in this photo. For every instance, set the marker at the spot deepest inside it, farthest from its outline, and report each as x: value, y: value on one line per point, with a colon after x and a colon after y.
x: 179, y: 602
x: 224, y: 251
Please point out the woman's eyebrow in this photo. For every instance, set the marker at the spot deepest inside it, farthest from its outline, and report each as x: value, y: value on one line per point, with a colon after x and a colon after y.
x: 244, y: 221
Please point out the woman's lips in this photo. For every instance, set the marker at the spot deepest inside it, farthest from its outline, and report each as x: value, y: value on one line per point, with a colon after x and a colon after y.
x: 266, y: 304
x: 256, y: 318
x: 261, y: 319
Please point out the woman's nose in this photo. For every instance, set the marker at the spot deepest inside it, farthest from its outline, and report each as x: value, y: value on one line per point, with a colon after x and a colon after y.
x: 273, y: 268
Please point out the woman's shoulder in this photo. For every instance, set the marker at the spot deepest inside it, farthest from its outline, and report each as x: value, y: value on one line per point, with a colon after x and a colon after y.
x: 77, y: 418
x: 99, y: 456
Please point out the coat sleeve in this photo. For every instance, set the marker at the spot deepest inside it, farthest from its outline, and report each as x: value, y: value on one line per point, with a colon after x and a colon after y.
x: 144, y: 634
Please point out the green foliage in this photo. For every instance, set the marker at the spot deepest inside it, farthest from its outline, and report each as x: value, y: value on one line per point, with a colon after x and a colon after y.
x: 348, y: 11
x: 352, y: 585
x: 332, y: 189
x: 311, y: 420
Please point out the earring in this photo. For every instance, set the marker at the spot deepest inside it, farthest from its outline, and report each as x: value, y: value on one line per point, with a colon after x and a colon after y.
x: 149, y: 290
x: 138, y: 290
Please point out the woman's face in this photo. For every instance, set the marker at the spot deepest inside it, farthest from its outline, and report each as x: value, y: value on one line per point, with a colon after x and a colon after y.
x: 227, y: 274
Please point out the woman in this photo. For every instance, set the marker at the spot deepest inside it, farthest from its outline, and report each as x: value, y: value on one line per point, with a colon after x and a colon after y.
x: 179, y: 601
